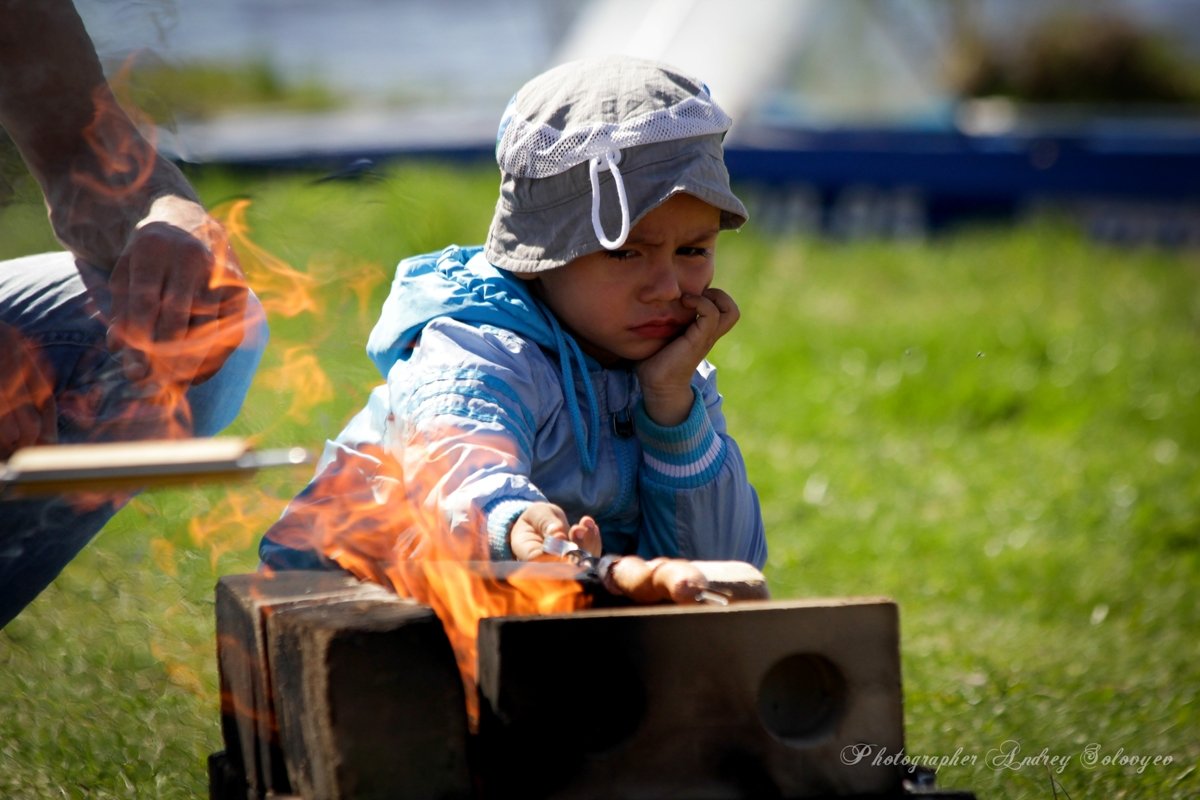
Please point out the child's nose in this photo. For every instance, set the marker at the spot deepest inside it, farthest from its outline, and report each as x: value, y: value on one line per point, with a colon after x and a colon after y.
x: 662, y: 281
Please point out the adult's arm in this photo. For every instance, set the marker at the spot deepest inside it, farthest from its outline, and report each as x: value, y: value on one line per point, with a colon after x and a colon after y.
x: 178, y: 292
x: 99, y: 175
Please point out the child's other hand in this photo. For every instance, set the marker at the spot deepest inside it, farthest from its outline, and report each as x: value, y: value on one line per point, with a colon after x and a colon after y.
x: 666, y: 377
x: 542, y: 520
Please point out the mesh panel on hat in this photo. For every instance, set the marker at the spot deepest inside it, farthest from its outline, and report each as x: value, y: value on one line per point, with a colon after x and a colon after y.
x: 531, y: 146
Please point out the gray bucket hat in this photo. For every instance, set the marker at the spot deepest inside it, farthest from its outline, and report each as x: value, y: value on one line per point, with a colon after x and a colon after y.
x: 590, y: 147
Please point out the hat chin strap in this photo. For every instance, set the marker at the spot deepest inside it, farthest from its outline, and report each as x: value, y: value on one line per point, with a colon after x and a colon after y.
x: 611, y: 159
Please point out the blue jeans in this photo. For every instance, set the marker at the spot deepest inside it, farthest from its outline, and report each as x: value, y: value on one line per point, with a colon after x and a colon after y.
x: 46, y: 297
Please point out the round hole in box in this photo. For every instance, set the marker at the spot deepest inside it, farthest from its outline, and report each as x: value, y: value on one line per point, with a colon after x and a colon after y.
x: 801, y: 698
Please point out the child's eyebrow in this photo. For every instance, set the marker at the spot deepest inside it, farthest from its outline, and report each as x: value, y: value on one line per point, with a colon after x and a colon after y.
x: 706, y: 233
x: 699, y: 235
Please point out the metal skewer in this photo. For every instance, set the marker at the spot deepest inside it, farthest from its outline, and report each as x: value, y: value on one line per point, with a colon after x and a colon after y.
x: 565, y: 548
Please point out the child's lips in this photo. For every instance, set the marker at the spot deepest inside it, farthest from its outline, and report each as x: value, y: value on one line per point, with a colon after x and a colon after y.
x: 660, y: 329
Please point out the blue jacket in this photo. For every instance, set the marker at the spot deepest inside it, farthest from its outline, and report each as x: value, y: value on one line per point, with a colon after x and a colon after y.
x: 495, y: 405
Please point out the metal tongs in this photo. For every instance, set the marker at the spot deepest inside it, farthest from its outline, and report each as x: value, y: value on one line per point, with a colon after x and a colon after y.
x: 565, y: 548
x: 597, y: 567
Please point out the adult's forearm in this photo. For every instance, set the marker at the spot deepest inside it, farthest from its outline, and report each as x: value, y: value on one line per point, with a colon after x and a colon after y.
x: 50, y: 72
x: 99, y: 175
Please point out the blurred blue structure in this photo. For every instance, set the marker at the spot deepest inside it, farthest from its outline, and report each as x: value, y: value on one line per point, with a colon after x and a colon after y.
x: 846, y: 120
x: 1139, y: 186
x: 849, y: 123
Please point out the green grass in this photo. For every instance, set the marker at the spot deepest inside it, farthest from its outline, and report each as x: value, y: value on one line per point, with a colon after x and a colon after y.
x: 201, y: 89
x: 1000, y: 429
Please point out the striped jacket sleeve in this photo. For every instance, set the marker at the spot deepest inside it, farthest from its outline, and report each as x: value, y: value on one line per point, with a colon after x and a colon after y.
x: 462, y: 425
x: 696, y: 499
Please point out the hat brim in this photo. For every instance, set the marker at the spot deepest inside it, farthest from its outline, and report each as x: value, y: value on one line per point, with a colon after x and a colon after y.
x: 545, y: 223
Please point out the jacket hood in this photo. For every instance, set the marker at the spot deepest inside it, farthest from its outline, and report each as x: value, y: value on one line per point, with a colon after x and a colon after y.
x: 457, y: 282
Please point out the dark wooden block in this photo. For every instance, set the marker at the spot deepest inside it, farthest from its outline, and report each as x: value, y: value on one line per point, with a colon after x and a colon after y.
x: 247, y: 711
x: 750, y: 700
x: 224, y: 781
x: 369, y: 701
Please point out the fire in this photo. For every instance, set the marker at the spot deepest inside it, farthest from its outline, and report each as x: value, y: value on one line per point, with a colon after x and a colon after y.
x: 283, y: 290
x: 361, y: 279
x: 126, y: 159
x: 389, y: 533
x: 300, y: 378
x: 375, y: 521
x: 26, y: 393
x: 117, y: 168
x: 230, y: 525
x: 462, y: 593
x: 384, y: 534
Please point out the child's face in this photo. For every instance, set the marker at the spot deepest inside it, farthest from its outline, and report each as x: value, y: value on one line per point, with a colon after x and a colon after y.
x: 624, y: 304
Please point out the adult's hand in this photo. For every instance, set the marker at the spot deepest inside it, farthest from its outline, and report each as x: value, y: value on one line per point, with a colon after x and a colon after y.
x: 27, y: 410
x: 117, y: 204
x: 178, y: 296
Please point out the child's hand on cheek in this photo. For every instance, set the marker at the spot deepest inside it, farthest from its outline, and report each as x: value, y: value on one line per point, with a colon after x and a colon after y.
x: 542, y: 520
x: 666, y: 377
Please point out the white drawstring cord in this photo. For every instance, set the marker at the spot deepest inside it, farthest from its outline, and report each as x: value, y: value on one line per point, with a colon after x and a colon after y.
x: 611, y: 158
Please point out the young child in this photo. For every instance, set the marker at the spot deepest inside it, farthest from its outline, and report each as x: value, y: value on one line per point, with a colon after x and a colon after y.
x: 554, y: 381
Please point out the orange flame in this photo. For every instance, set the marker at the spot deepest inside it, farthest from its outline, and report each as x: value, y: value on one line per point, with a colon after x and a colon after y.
x: 382, y: 533
x: 283, y: 290
x: 26, y: 395
x: 125, y: 156
x: 230, y: 525
x: 165, y: 332
x: 462, y: 593
x: 301, y: 378
x: 381, y: 528
x: 362, y: 279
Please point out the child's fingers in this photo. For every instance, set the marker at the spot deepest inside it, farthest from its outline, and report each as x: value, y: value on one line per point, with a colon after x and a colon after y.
x: 716, y: 312
x: 728, y: 310
x: 586, y: 534
x: 536, y: 523
x: 548, y: 519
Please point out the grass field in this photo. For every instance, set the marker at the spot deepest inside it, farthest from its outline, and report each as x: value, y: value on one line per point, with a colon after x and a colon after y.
x: 999, y: 428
